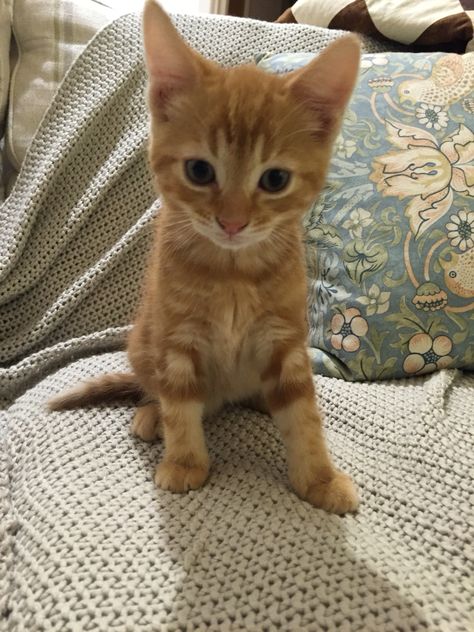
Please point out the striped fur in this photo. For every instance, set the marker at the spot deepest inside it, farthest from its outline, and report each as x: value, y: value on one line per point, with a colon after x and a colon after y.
x: 106, y: 388
x: 223, y: 317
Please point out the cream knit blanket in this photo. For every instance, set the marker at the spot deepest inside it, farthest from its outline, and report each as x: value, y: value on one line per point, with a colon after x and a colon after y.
x: 86, y: 541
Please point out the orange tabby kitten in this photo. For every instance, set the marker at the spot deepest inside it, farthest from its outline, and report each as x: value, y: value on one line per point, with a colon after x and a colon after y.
x: 238, y: 156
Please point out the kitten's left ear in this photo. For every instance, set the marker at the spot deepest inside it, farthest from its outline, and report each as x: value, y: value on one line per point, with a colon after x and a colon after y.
x: 326, y: 83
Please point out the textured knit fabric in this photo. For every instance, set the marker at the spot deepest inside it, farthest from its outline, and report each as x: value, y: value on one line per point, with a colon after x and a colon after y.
x: 89, y: 543
x: 86, y: 541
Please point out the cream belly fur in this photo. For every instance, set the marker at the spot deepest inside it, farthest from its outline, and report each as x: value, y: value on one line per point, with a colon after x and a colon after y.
x: 231, y: 363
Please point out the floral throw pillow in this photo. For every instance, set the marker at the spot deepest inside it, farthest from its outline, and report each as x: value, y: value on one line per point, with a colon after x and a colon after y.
x: 390, y: 241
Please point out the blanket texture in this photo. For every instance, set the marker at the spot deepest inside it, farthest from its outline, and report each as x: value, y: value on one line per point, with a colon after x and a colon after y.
x: 86, y: 541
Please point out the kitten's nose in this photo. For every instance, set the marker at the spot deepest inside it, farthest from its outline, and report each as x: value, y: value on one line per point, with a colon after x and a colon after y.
x: 231, y: 227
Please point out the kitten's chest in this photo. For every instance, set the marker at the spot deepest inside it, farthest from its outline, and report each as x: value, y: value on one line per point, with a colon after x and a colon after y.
x: 233, y: 314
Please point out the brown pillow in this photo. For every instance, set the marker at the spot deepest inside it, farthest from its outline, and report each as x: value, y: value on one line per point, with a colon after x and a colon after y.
x: 445, y: 25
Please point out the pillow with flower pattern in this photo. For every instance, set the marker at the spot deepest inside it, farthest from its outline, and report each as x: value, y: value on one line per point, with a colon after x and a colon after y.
x: 390, y: 241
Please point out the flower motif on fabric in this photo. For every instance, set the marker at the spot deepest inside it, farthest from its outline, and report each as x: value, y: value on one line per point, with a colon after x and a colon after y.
x: 347, y: 328
x: 432, y: 116
x: 461, y: 229
x: 358, y: 220
x: 376, y: 301
x: 429, y: 297
x: 345, y: 147
x: 427, y: 354
x: 361, y: 259
x: 426, y: 172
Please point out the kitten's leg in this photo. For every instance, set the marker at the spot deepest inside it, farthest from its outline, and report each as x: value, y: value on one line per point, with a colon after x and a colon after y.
x: 185, y: 464
x: 289, y: 391
x: 170, y: 378
x: 178, y: 388
x: 146, y: 422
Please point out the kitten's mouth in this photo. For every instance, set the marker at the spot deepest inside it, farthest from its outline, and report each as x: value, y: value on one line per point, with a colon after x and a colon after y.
x: 234, y: 241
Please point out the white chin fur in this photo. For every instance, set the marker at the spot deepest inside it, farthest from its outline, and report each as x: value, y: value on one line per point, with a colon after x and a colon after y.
x: 241, y: 240
x: 230, y: 244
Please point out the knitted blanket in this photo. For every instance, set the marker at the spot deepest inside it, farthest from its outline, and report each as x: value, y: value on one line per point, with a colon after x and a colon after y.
x: 86, y: 541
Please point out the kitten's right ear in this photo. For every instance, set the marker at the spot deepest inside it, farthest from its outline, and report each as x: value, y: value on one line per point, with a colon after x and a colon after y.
x: 170, y: 63
x: 325, y: 85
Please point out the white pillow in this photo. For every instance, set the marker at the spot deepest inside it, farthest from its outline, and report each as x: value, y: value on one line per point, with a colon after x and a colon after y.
x: 48, y: 36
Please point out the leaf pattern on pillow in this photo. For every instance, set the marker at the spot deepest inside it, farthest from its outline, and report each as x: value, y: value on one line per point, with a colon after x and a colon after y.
x: 425, y: 172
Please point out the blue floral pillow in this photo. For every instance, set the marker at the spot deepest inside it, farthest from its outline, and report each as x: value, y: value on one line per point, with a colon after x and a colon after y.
x: 390, y: 241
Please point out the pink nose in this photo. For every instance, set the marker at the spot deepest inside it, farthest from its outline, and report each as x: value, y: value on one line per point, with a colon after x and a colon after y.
x: 231, y: 227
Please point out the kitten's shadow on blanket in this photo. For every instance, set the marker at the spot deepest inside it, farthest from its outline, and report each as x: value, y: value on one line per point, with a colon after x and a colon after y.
x: 250, y: 551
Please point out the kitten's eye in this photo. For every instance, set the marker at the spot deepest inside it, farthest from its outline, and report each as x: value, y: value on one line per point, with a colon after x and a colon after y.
x: 200, y: 172
x: 274, y: 180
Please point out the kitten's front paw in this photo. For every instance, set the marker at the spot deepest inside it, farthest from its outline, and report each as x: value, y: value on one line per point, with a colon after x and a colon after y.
x: 146, y: 423
x: 180, y: 478
x: 338, y: 495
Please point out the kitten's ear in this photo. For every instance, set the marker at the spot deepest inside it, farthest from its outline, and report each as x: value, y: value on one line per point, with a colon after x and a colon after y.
x: 327, y: 82
x: 170, y: 63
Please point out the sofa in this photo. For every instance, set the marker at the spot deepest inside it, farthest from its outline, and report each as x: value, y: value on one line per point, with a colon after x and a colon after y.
x: 87, y: 542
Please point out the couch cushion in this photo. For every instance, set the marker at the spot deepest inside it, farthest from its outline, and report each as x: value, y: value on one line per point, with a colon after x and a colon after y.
x: 5, y: 33
x: 391, y: 239
x: 48, y: 36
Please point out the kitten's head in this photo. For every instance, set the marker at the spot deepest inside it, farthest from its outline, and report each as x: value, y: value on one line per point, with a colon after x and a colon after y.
x: 238, y: 153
